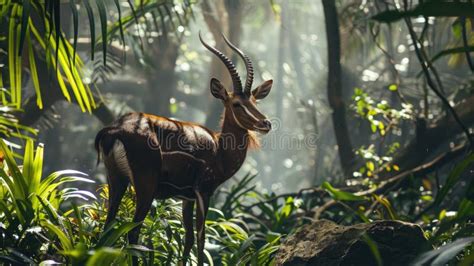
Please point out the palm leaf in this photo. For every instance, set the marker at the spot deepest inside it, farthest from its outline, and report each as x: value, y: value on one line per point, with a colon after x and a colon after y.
x: 25, y: 14
x: 119, y: 10
x: 34, y: 72
x: 103, y: 25
x: 65, y: 241
x: 75, y: 21
x: 90, y: 15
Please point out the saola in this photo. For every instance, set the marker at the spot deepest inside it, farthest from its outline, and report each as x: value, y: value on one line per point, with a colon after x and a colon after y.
x: 164, y: 158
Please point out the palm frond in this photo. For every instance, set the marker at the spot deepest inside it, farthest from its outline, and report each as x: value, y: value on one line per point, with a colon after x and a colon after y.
x: 60, y: 55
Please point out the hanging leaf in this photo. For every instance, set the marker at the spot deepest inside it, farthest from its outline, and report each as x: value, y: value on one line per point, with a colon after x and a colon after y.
x: 119, y: 10
x: 90, y: 15
x: 25, y: 14
x: 34, y: 72
x: 103, y: 25
x: 57, y: 25
x: 75, y: 22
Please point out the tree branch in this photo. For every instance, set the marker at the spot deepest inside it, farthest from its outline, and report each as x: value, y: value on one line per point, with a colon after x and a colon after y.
x: 421, y: 170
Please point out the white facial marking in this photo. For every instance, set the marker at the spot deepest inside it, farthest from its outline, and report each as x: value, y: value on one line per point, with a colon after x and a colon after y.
x: 235, y: 119
x: 260, y: 128
x: 248, y: 112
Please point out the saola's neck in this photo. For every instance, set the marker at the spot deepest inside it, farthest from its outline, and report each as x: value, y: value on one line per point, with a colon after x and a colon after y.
x: 233, y: 144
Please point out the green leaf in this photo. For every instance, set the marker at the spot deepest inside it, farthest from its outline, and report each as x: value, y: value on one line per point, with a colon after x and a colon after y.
x: 37, y: 170
x: 453, y: 178
x: 57, y: 26
x: 341, y: 195
x: 52, y: 213
x: 110, y: 236
x: 13, y: 58
x: 465, y: 210
x: 373, y: 127
x: 75, y: 22
x: 20, y: 185
x: 34, y: 72
x: 106, y: 256
x: 28, y: 161
x: 444, y: 254
x: 233, y: 228
x: 66, y: 242
x: 370, y: 165
x: 103, y: 24
x: 25, y: 14
x: 272, y: 236
x: 90, y: 15
x: 119, y: 10
x: 276, y: 8
x: 457, y: 29
x: 373, y: 248
x: 386, y: 203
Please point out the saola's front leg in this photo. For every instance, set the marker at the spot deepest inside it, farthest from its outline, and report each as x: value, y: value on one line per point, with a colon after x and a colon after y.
x: 202, y: 200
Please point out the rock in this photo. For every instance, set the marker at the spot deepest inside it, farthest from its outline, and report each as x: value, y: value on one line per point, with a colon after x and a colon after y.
x: 327, y: 243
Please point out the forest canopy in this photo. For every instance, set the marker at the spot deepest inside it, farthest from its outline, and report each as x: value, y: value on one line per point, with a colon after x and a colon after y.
x: 371, y: 111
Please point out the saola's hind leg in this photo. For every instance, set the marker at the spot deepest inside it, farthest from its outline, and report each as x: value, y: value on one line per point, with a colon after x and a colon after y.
x: 145, y: 185
x: 117, y: 185
x: 117, y: 179
x: 188, y: 207
x: 202, y: 200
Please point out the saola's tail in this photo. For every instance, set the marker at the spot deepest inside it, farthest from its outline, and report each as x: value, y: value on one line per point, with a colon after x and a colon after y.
x: 103, y: 139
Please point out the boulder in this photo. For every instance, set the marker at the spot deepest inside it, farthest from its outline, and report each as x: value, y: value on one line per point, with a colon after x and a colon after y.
x: 326, y: 243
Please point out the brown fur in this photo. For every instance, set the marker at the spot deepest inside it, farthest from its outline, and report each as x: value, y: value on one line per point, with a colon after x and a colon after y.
x: 252, y: 137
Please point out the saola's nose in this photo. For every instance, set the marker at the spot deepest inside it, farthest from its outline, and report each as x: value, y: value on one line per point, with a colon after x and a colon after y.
x: 267, y: 124
x: 264, y: 125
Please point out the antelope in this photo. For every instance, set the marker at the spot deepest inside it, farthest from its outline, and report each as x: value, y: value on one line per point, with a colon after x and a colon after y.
x: 164, y: 158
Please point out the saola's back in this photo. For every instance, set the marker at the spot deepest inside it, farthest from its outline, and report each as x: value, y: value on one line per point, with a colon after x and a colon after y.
x: 145, y: 131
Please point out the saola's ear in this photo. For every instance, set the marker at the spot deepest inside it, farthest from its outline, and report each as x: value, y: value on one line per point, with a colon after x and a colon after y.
x: 263, y: 90
x: 218, y: 90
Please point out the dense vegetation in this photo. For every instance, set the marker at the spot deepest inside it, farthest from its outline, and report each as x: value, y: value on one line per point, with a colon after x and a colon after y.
x: 398, y: 117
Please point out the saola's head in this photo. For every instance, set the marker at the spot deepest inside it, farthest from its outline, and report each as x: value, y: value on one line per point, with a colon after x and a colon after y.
x: 241, y: 102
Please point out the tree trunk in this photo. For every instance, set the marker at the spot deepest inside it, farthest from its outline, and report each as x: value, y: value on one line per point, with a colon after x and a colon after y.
x: 161, y: 79
x: 282, y: 48
x: 334, y: 87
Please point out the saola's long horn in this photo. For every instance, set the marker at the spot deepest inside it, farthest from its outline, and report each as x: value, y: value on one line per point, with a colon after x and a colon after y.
x: 248, y: 65
x: 236, y: 82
